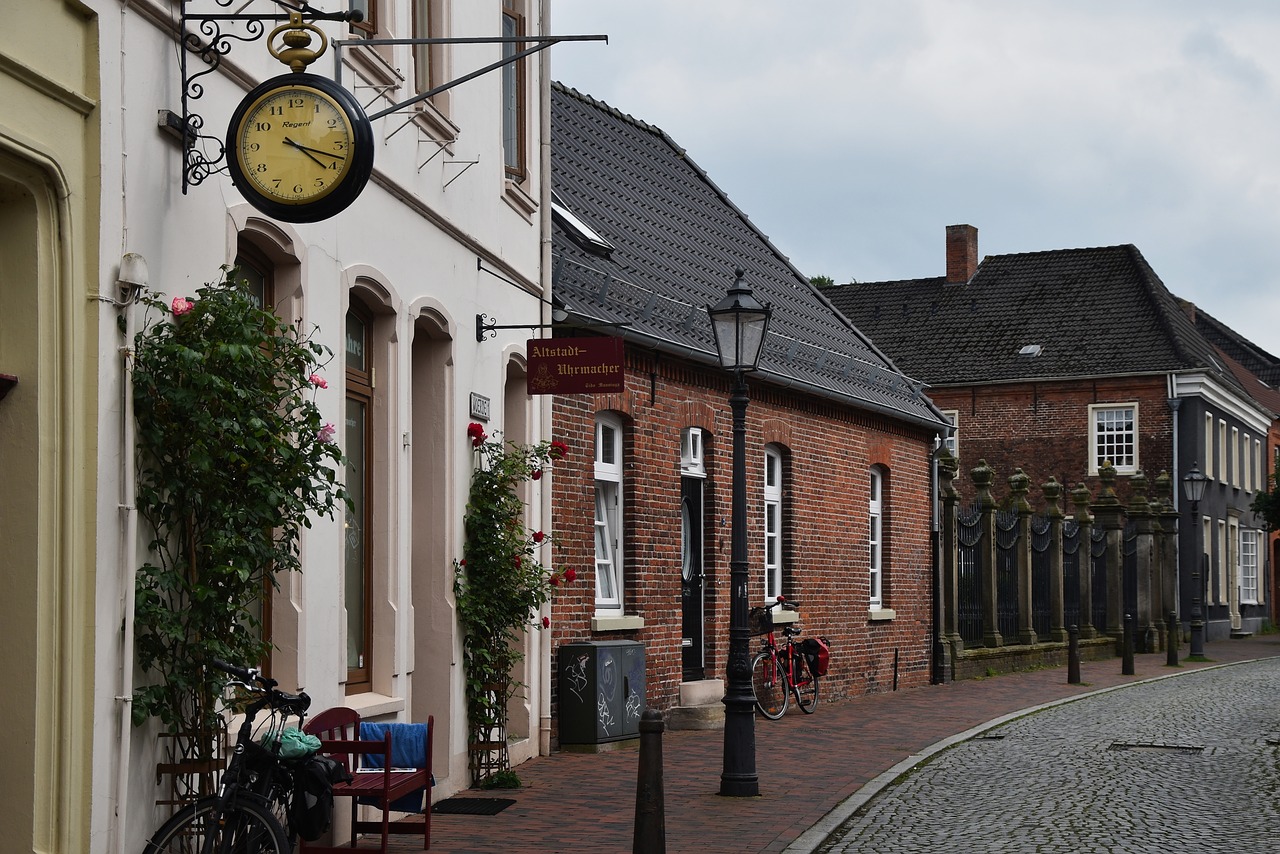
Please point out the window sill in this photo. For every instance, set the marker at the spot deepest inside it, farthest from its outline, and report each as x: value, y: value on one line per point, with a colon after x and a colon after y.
x: 616, y: 624
x: 518, y: 200
x: 876, y: 615
x: 371, y: 705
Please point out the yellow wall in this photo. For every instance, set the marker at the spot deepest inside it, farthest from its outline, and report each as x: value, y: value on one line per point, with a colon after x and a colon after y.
x: 49, y: 155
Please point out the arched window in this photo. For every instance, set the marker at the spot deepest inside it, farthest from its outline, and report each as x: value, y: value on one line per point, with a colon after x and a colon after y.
x: 773, y: 528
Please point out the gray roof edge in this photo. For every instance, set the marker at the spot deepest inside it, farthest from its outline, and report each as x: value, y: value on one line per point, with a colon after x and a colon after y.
x: 704, y: 357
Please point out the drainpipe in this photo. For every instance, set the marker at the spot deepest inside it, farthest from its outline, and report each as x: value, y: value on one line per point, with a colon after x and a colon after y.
x: 544, y: 407
x: 132, y: 279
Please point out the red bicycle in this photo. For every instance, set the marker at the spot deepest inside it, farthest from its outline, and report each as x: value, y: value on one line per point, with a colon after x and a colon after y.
x: 777, y: 672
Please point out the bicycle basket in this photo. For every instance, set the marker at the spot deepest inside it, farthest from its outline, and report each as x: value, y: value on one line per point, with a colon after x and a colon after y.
x: 760, y: 621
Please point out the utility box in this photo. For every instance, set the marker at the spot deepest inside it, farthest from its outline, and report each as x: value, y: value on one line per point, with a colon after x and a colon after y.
x: 601, y: 691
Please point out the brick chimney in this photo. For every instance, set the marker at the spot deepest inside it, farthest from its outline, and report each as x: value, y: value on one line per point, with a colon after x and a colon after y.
x: 962, y: 253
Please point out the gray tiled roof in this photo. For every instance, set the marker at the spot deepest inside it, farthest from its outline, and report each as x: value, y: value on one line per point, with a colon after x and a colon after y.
x: 1092, y: 312
x: 678, y: 240
x: 1257, y: 361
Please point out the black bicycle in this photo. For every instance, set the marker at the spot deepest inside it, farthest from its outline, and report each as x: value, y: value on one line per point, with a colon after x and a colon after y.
x: 248, y: 815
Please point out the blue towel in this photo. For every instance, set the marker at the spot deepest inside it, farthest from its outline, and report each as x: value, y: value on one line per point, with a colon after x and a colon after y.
x: 408, y: 750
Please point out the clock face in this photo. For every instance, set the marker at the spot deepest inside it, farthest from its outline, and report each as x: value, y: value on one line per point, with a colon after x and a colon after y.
x: 300, y: 148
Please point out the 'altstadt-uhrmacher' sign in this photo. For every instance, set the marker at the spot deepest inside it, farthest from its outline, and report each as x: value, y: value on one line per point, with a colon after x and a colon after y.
x: 575, y: 365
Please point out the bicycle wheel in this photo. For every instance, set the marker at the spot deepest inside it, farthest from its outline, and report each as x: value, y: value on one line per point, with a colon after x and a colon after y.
x: 246, y: 827
x: 806, y: 691
x: 769, y: 681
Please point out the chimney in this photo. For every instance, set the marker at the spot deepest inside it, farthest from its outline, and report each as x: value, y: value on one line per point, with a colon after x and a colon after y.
x: 962, y: 253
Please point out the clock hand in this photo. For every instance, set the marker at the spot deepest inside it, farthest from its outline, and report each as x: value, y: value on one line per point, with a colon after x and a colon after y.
x: 304, y: 150
x: 301, y: 147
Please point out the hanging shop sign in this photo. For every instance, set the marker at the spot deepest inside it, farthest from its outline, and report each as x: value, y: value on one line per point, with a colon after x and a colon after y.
x: 575, y: 365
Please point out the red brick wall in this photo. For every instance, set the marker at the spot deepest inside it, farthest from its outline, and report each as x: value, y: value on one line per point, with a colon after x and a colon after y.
x: 828, y: 452
x: 1044, y: 428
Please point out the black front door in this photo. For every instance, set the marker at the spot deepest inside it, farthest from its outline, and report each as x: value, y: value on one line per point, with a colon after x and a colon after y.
x: 691, y: 581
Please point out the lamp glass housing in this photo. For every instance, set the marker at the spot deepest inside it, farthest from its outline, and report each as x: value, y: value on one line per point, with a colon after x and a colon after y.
x: 1193, y: 484
x: 739, y: 322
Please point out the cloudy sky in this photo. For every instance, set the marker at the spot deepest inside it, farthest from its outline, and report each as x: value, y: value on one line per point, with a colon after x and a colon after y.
x: 852, y: 132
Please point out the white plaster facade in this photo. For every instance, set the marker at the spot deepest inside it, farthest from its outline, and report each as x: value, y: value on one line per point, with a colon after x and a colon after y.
x: 432, y: 242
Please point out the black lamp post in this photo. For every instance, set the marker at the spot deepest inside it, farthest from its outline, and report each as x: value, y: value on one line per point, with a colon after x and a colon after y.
x: 739, y: 323
x: 1193, y: 485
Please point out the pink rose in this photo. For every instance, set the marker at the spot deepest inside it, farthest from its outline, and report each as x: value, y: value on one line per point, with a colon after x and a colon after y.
x: 318, y: 381
x: 326, y: 433
x: 180, y: 306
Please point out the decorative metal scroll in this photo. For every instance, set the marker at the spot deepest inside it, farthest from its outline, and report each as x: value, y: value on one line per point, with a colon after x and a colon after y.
x: 969, y: 592
x: 1041, y: 583
x: 207, y: 36
x: 1007, y: 537
x: 1071, y: 572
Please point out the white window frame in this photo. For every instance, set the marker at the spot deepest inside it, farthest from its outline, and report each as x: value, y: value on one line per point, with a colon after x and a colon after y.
x: 953, y: 441
x: 1250, y: 547
x: 773, y: 542
x: 692, y: 458
x: 1208, y: 445
x: 1223, y: 557
x: 1222, y: 450
x: 875, y: 537
x: 1235, y: 451
x: 1258, y: 478
x: 1097, y: 410
x: 610, y: 589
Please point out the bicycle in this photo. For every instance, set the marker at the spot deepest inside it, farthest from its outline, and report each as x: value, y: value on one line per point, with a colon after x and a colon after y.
x: 778, y: 672
x: 245, y: 816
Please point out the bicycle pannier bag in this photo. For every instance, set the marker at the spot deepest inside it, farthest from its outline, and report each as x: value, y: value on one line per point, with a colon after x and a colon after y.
x: 311, y: 807
x: 817, y: 652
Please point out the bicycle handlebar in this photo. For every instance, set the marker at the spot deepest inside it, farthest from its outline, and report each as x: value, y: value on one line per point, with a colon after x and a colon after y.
x: 296, y: 703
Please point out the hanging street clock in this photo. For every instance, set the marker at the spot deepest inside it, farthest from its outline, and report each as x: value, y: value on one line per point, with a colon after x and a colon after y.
x: 299, y: 146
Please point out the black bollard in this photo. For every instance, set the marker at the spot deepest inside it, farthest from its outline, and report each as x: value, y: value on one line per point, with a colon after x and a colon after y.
x: 650, y: 835
x: 1073, y: 655
x: 1126, y: 644
x: 1171, y: 640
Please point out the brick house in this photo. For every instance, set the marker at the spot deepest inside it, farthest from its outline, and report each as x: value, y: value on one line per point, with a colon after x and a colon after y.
x: 1056, y: 361
x: 839, y: 443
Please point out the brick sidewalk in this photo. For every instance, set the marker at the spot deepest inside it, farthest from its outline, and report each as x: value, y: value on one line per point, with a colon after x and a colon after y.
x: 807, y: 765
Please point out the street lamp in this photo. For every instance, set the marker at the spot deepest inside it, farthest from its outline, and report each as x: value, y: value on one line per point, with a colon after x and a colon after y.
x: 1193, y: 485
x: 739, y: 323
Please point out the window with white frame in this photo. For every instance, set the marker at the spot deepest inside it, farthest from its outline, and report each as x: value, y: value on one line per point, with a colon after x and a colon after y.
x: 691, y: 457
x: 875, y: 536
x: 513, y: 91
x: 1257, y: 465
x: 608, y: 514
x: 1235, y: 452
x: 772, y: 523
x: 953, y: 441
x: 1208, y: 444
x: 1246, y: 471
x: 1113, y: 435
x: 1222, y: 450
x: 1249, y: 540
x: 1223, y: 557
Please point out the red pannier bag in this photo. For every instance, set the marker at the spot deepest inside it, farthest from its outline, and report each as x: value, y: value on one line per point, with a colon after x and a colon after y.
x: 817, y: 652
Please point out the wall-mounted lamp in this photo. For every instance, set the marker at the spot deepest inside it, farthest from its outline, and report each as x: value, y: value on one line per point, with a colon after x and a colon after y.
x: 131, y: 279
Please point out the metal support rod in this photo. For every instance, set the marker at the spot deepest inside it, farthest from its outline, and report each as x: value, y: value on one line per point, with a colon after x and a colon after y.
x: 738, y: 778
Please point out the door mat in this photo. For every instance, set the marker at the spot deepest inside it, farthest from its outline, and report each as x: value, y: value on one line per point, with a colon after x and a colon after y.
x: 471, y: 806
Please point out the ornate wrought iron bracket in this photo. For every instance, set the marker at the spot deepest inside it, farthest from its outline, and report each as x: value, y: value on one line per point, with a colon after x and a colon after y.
x: 206, y: 37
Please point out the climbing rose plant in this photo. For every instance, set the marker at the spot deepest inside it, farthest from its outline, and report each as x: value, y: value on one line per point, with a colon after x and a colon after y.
x: 234, y: 461
x: 499, y: 584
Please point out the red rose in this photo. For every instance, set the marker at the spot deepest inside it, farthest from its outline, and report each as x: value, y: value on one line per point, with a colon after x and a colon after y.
x: 555, y: 580
x: 477, y: 434
x: 519, y: 560
x: 538, y: 536
x: 570, y: 574
x: 558, y: 449
x: 537, y: 474
x: 546, y: 622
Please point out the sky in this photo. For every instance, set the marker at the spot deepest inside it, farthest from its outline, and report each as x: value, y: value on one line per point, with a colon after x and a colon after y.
x: 852, y: 132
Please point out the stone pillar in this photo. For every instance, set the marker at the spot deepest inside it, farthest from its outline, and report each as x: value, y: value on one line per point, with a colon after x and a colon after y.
x: 949, y: 554
x: 1019, y: 485
x: 1110, y: 515
x: 983, y: 476
x: 1144, y: 519
x: 1080, y: 498
x: 1057, y: 628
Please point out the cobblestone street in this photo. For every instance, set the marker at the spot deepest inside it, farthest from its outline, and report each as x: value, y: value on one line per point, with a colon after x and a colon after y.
x: 1190, y: 763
